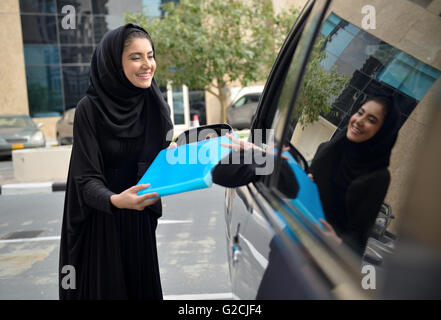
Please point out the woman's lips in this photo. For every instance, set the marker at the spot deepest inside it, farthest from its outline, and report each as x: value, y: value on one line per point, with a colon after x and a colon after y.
x: 144, y: 76
x: 355, y: 131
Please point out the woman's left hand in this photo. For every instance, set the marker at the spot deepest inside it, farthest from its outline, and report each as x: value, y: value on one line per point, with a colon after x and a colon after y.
x: 238, y: 144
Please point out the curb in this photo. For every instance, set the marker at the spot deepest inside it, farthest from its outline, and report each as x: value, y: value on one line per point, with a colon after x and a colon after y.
x: 32, y: 188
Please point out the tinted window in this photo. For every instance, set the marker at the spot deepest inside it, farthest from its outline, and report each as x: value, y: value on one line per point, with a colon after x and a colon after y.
x: 44, y: 90
x: 81, y: 6
x: 76, y: 54
x: 39, y: 29
x: 346, y: 66
x: 41, y: 54
x: 82, y: 34
x: 76, y: 82
x: 37, y: 6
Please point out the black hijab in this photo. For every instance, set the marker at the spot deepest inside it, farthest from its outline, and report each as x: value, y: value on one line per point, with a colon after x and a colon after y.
x: 374, y: 154
x: 357, y: 159
x: 121, y: 105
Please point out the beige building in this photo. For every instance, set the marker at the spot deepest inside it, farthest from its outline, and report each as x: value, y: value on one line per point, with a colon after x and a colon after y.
x: 13, y: 92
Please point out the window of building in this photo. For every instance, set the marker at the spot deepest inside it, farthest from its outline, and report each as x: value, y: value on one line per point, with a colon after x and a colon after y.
x: 58, y: 59
x: 37, y: 6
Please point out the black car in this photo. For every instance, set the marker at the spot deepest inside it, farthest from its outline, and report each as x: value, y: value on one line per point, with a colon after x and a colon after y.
x: 327, y: 61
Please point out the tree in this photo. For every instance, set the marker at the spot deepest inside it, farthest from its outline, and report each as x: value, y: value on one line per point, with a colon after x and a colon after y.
x: 212, y: 44
x: 319, y: 86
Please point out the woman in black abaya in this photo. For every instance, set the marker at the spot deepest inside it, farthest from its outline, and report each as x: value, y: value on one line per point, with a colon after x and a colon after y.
x: 108, y: 233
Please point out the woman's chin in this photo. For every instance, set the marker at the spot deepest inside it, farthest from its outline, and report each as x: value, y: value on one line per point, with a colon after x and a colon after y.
x: 143, y: 84
x: 353, y: 138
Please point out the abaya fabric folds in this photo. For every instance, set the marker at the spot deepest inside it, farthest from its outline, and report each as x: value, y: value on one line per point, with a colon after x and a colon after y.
x: 118, y: 131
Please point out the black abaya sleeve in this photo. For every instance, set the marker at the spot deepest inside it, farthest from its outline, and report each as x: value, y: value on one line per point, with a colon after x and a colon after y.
x: 87, y: 162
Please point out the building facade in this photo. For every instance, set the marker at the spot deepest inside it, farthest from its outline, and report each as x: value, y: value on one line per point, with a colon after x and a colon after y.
x: 49, y: 44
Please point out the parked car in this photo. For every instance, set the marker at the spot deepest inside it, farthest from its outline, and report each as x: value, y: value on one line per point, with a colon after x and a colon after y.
x: 19, y: 132
x: 241, y: 111
x: 274, y: 250
x: 64, y: 127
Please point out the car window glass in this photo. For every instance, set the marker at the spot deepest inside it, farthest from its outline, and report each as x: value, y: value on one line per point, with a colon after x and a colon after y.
x: 295, y: 70
x: 347, y: 66
x: 240, y: 102
x: 15, y: 122
x: 253, y: 98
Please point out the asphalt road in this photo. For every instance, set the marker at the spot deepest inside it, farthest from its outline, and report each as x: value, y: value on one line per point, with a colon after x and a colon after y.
x: 190, y: 237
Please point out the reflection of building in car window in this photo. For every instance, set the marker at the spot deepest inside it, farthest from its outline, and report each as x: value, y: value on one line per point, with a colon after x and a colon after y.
x: 372, y: 65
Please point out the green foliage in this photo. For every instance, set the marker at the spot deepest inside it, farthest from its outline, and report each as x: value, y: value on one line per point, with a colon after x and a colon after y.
x: 211, y: 44
x: 320, y: 87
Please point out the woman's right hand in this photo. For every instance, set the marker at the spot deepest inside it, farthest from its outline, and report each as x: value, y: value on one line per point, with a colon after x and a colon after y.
x: 129, y: 199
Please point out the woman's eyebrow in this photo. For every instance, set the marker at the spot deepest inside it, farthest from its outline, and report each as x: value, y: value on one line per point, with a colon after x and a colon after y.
x: 140, y: 53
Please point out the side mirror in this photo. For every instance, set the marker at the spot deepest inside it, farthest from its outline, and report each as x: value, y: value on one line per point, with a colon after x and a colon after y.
x: 203, y: 133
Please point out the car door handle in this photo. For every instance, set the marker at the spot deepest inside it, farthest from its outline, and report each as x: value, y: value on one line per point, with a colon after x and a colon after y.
x: 236, y: 250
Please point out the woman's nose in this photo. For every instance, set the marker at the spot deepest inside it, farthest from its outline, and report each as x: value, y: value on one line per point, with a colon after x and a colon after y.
x: 359, y: 121
x: 146, y: 64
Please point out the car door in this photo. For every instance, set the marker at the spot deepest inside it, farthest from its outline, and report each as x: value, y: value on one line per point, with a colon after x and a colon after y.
x: 252, y: 237
x: 334, y: 65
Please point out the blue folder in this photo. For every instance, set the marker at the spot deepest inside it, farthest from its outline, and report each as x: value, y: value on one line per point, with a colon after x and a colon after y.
x: 185, y: 168
x: 308, y: 198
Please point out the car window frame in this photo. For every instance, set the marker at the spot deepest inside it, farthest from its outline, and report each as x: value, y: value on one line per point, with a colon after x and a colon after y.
x: 267, y: 104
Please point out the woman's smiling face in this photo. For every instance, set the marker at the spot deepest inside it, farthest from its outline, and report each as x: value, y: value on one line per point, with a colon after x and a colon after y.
x: 366, y: 122
x: 138, y: 62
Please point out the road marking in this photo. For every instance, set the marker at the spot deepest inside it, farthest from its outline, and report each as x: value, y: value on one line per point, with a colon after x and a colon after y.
x: 174, y: 221
x: 31, y: 239
x: 201, y: 296
x: 59, y: 237
x: 26, y: 188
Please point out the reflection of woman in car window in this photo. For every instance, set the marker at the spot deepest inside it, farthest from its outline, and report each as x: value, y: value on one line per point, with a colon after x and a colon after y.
x: 351, y: 170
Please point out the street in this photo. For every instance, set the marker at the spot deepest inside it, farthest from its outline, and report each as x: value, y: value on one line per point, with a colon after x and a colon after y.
x: 190, y: 237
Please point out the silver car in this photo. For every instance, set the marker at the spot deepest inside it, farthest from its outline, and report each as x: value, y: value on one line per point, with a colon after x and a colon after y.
x: 64, y: 127
x: 19, y: 132
x: 240, y: 113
